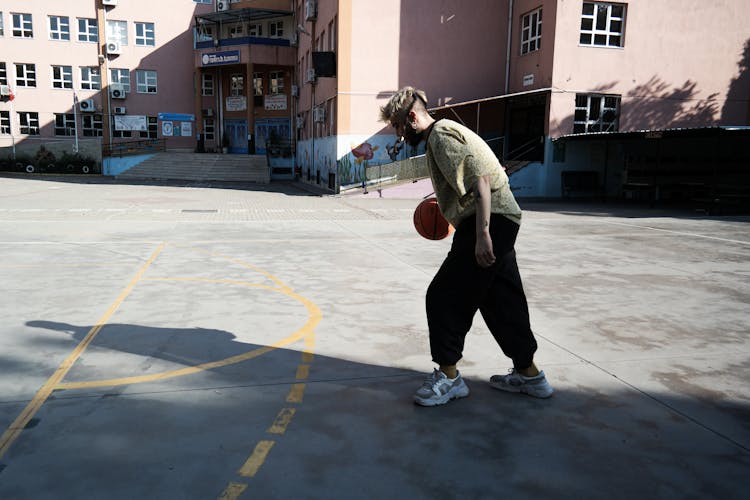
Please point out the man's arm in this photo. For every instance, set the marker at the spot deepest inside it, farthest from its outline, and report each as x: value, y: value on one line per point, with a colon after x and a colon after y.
x: 483, y: 248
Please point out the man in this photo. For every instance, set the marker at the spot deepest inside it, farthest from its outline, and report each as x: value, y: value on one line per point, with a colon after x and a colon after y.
x: 480, y: 271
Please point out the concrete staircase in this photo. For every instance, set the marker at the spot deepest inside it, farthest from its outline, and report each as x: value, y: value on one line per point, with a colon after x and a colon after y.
x: 202, y: 167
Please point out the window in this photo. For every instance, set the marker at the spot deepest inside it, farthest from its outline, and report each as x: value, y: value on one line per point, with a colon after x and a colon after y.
x: 121, y: 76
x: 596, y: 113
x: 257, y: 83
x: 22, y: 26
x: 276, y: 82
x: 88, y: 31
x: 209, y: 129
x: 255, y: 29
x: 4, y: 122
x: 276, y: 29
x: 207, y: 84
x: 602, y: 24
x: 29, y: 122
x: 59, y: 28
x: 237, y: 85
x: 119, y: 134
x: 65, y: 124
x: 236, y: 31
x: 91, y: 125
x: 2, y: 28
x: 144, y: 34
x: 3, y: 74
x: 25, y: 75
x: 117, y: 31
x: 153, y: 129
x: 531, y: 31
x: 90, y: 78
x: 332, y: 35
x: 145, y: 81
x: 62, y: 77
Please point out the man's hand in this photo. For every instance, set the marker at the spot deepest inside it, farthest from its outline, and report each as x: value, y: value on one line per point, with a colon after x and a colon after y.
x: 483, y: 248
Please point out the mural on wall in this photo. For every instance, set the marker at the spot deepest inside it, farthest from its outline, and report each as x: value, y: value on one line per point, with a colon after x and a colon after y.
x: 348, y: 156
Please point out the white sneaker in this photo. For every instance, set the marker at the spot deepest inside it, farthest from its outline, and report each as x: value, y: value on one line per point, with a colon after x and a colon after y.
x: 438, y: 389
x: 515, y: 382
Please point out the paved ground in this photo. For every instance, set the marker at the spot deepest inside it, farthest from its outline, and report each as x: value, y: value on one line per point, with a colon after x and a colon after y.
x: 189, y: 342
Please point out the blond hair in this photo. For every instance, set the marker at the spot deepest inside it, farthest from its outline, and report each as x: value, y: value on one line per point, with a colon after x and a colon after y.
x: 400, y: 103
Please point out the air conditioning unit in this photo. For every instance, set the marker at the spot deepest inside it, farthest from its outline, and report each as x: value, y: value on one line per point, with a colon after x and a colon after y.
x: 113, y: 48
x: 310, y: 75
x: 222, y: 5
x: 319, y: 114
x: 300, y: 122
x: 109, y: 2
x: 208, y: 112
x: 87, y: 106
x: 117, y: 91
x: 120, y: 110
x: 295, y: 90
x: 311, y: 10
x: 5, y: 90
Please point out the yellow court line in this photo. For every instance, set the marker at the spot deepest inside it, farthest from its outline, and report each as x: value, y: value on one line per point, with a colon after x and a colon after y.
x: 233, y: 491
x: 303, y: 371
x: 12, y: 433
x: 296, y: 393
x: 282, y: 421
x: 252, y: 465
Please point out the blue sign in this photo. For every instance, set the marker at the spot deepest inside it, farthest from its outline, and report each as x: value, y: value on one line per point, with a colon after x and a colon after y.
x: 176, y: 117
x: 216, y: 58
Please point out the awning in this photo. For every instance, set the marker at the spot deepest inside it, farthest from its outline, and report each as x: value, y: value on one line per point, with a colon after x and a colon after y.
x: 239, y: 15
x: 660, y: 133
x: 494, y: 98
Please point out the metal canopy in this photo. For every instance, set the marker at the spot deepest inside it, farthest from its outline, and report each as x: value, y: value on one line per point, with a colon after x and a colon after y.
x: 659, y: 133
x: 239, y: 15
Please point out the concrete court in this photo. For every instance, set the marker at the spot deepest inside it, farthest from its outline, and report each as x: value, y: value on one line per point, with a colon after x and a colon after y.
x: 265, y: 343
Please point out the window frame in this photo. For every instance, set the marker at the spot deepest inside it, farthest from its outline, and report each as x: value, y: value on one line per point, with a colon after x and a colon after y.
x: 607, y: 31
x: 207, y: 89
x: 21, y: 27
x: 276, y: 82
x: 4, y: 122
x: 91, y: 33
x: 26, y: 120
x: 209, y: 129
x: 236, y: 85
x: 22, y: 78
x: 596, y: 124
x: 120, y: 34
x: 3, y: 73
x: 63, y: 28
x: 121, y: 76
x: 143, y: 78
x: 64, y: 78
x: 92, y: 125
x: 152, y: 125
x: 143, y: 39
x: 255, y: 29
x: 2, y: 24
x: 91, y: 78
x: 276, y: 29
x: 65, y: 124
x: 531, y: 35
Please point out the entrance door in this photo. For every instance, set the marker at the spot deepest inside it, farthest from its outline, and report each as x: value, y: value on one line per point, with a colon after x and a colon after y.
x: 236, y: 130
x: 263, y: 128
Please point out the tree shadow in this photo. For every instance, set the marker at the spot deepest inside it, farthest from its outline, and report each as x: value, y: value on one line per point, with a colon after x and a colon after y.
x: 736, y: 110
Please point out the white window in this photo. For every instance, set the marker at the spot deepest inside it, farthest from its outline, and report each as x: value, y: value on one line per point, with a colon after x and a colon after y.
x: 4, y: 122
x: 531, y: 31
x: 22, y: 26
x: 117, y: 31
x: 145, y: 81
x: 121, y: 76
x: 209, y: 129
x: 91, y: 125
x: 88, y: 30
x: 2, y: 28
x: 276, y: 29
x: 276, y: 82
x: 207, y: 84
x: 28, y: 122
x: 602, y: 24
x: 144, y: 34
x: 153, y: 129
x: 65, y: 124
x: 237, y: 85
x: 3, y: 74
x: 596, y: 113
x: 25, y: 75
x: 257, y: 83
x: 62, y: 77
x: 90, y: 78
x: 59, y: 28
x: 255, y: 29
x: 204, y: 33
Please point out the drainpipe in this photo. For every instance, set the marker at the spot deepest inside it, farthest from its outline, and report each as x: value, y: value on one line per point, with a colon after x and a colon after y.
x: 507, y: 54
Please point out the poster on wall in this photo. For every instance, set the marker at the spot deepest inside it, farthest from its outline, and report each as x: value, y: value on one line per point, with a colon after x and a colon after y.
x: 186, y: 129
x: 131, y: 122
x: 166, y: 129
x: 275, y: 102
x: 237, y: 103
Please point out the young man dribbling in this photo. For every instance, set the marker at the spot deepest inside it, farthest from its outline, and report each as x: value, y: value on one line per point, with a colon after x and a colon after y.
x: 480, y: 271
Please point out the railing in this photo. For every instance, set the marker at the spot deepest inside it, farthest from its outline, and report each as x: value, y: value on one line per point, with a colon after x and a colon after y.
x: 129, y: 148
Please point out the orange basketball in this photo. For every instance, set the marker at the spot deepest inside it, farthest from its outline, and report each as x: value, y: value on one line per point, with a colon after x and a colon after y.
x: 429, y: 220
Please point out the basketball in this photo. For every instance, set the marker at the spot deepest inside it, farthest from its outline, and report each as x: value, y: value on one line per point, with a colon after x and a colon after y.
x: 429, y: 220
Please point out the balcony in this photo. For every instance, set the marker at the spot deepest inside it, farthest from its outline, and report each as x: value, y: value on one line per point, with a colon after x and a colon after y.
x: 242, y: 27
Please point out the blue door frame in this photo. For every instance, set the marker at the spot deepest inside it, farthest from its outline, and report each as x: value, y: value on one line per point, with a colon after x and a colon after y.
x: 236, y: 130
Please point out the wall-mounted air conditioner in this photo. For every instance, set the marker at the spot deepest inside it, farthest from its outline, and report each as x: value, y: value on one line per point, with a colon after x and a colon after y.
x: 87, y: 106
x: 311, y: 10
x: 117, y: 91
x: 295, y: 90
x: 222, y: 5
x: 208, y: 112
x: 310, y: 75
x: 109, y: 2
x: 5, y: 90
x: 319, y: 114
x: 120, y: 110
x: 113, y: 48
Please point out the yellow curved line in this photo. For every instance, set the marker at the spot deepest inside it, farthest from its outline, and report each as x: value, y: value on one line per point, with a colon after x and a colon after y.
x: 307, y: 330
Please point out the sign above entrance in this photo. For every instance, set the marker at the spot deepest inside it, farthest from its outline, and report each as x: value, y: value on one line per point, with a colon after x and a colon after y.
x: 217, y: 58
x: 177, y: 117
x: 275, y: 102
x: 237, y: 103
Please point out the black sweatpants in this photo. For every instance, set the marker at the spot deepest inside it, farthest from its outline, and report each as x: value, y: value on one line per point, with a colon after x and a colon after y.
x: 461, y: 287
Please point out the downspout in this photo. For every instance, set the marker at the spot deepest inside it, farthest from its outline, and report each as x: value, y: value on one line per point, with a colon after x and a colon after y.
x: 507, y: 54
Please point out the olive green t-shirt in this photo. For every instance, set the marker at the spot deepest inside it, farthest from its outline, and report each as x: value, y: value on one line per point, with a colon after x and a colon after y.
x: 456, y: 157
